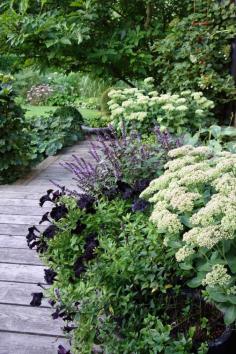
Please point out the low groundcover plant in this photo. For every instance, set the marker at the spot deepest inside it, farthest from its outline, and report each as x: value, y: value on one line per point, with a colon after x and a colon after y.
x: 195, y: 215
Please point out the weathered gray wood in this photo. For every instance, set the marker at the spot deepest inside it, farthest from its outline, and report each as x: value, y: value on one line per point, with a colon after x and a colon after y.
x: 20, y: 195
x: 19, y: 219
x: 19, y: 256
x: 24, y: 329
x: 17, y: 230
x: 27, y: 319
x: 19, y: 202
x: 22, y: 210
x: 21, y: 273
x: 19, y: 293
x: 15, y: 343
x: 13, y: 241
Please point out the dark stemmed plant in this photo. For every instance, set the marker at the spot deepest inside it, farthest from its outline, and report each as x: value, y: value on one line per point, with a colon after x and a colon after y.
x: 127, y: 158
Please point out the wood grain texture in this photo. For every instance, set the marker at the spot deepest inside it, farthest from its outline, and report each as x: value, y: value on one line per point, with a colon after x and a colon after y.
x: 17, y: 230
x: 27, y: 319
x: 19, y: 293
x: 25, y: 329
x: 13, y: 241
x: 21, y: 273
x: 19, y: 219
x: 22, y: 210
x: 13, y: 343
x: 19, y: 256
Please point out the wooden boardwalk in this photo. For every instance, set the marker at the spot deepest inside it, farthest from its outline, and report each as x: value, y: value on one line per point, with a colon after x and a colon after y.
x: 25, y: 329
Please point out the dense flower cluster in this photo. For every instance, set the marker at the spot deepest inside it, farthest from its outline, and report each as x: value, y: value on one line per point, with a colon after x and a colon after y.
x: 145, y: 107
x: 195, y: 208
x: 39, y: 93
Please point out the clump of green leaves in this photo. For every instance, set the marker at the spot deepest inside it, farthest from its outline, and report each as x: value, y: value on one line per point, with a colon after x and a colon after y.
x: 60, y: 129
x: 15, y: 151
x: 196, y: 52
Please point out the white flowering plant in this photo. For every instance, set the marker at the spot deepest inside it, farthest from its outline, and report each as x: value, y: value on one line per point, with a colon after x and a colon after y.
x: 195, y: 214
x: 142, y: 108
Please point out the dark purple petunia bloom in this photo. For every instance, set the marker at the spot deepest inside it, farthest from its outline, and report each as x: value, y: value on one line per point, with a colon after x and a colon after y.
x: 46, y: 198
x: 49, y: 276
x: 37, y: 299
x: 140, y: 205
x: 79, y: 267
x: 50, y: 231
x: 68, y: 329
x: 86, y: 202
x: 79, y: 228
x: 45, y: 217
x: 62, y: 350
x: 125, y: 189
x: 91, y: 243
x: 58, y: 212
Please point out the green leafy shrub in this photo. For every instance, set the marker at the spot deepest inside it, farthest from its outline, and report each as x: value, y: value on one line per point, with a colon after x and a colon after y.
x: 195, y: 214
x: 195, y: 54
x: 52, y: 133
x: 143, y: 108
x: 15, y: 150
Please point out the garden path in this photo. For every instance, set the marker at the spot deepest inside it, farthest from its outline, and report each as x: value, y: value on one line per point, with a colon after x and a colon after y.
x: 25, y: 329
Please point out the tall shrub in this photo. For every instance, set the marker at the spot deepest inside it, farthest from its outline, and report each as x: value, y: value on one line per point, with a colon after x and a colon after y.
x: 15, y: 154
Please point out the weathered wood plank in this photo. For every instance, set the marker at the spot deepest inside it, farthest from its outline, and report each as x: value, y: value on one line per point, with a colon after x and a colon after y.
x: 22, y: 210
x: 19, y: 293
x: 15, y: 343
x: 19, y: 256
x: 19, y: 219
x: 27, y: 319
x: 13, y: 241
x: 21, y: 273
x: 19, y: 202
x: 20, y: 195
x: 17, y: 230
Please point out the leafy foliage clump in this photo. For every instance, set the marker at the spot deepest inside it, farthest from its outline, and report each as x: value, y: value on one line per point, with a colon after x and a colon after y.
x: 52, y: 133
x: 15, y: 150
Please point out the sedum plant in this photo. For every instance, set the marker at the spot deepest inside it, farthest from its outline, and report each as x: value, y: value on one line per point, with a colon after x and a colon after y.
x: 195, y: 215
x: 145, y: 107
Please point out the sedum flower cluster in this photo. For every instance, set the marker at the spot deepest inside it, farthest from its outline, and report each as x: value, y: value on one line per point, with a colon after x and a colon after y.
x: 195, y: 206
x: 143, y: 108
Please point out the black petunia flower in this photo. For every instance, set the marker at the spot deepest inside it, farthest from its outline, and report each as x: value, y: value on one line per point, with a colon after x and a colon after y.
x: 62, y: 350
x: 45, y: 217
x: 140, y: 205
x: 86, y: 202
x: 37, y: 299
x: 79, y: 267
x: 49, y: 276
x: 50, y: 231
x: 58, y: 212
x: 31, y: 235
x: 79, y: 228
x: 46, y: 198
x: 125, y: 190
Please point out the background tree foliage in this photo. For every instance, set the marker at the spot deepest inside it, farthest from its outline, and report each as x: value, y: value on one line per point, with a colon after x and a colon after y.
x: 110, y: 37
